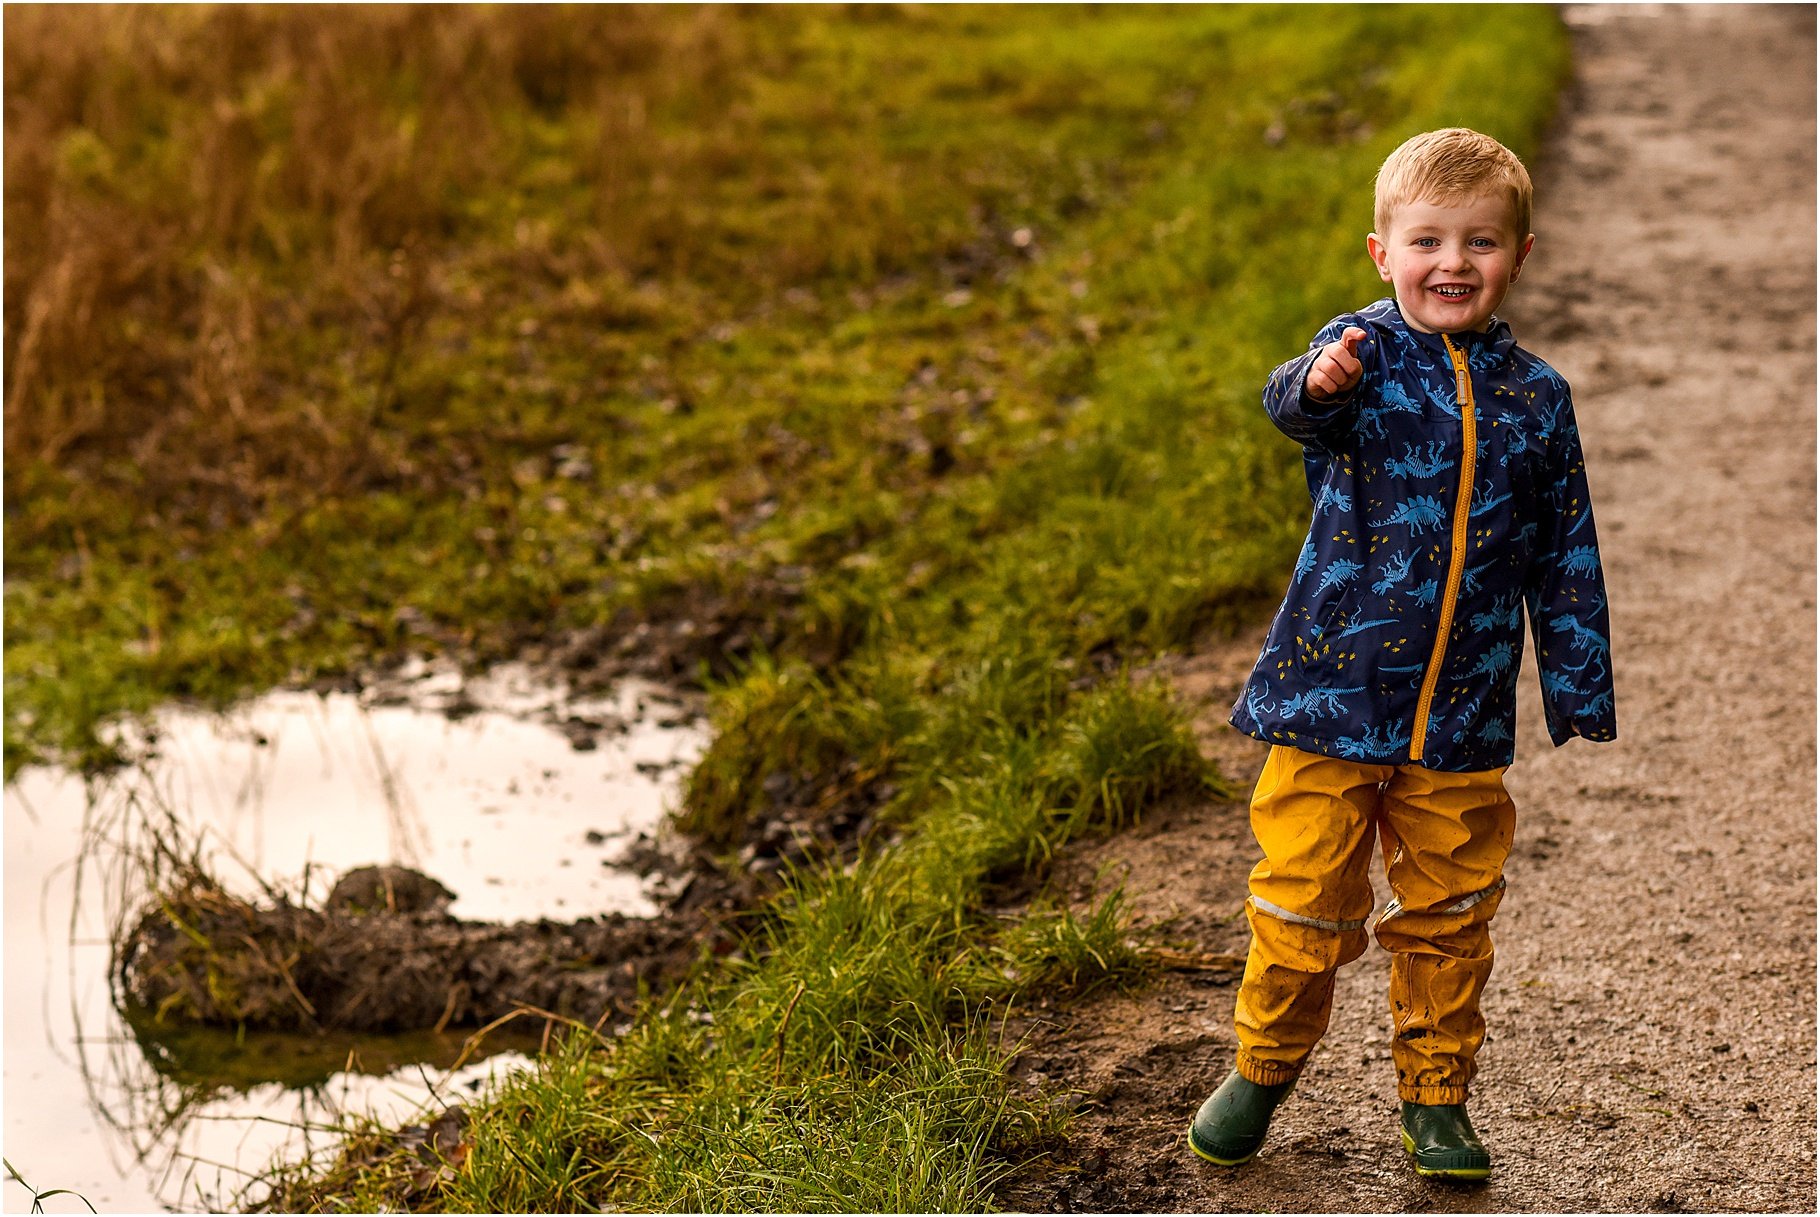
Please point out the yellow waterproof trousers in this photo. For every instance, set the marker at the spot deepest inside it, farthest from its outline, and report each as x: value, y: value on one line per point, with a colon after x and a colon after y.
x: 1445, y: 838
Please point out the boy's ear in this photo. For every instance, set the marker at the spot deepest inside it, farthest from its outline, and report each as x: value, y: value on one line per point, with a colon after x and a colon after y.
x: 1380, y: 254
x: 1528, y: 244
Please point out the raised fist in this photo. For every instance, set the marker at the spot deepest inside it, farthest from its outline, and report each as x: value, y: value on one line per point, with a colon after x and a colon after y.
x: 1337, y: 368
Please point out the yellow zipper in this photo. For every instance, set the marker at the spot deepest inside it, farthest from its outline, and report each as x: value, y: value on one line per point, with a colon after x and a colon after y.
x: 1456, y: 566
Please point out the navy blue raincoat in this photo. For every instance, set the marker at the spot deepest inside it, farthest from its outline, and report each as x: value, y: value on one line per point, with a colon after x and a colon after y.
x: 1449, y: 499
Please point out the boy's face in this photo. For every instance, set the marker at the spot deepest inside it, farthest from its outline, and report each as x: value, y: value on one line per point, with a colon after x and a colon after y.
x: 1450, y: 263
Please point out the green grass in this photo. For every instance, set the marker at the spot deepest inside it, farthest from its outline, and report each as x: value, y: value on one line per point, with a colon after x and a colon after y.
x: 918, y: 349
x: 849, y: 1064
x: 38, y: 1197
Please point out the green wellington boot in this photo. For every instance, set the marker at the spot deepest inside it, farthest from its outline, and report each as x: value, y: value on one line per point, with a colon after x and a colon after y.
x: 1441, y: 1140
x: 1231, y: 1124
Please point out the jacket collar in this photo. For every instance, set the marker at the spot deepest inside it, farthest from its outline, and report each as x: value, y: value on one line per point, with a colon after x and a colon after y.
x: 1497, y: 337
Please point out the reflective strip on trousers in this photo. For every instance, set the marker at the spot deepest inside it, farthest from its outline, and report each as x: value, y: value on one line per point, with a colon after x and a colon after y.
x: 1466, y: 902
x: 1283, y: 914
x: 1458, y: 906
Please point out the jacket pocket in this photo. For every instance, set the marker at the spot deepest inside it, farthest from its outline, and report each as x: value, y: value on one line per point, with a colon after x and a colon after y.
x: 1321, y: 654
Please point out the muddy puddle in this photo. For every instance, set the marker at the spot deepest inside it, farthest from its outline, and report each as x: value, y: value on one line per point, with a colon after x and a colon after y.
x: 517, y: 797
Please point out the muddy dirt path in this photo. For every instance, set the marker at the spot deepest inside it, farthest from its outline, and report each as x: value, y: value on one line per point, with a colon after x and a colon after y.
x: 1652, y: 1010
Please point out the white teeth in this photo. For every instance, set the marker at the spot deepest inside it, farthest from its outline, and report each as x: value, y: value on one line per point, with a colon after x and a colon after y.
x: 1454, y: 292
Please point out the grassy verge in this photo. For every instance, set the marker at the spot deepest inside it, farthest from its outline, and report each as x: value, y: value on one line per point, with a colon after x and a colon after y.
x: 911, y: 354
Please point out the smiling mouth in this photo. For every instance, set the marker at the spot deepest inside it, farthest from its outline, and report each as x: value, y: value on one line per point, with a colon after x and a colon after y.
x: 1452, y: 291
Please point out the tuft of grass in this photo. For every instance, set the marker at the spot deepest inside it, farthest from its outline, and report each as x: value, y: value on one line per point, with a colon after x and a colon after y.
x: 1124, y: 746
x: 767, y: 720
x: 1053, y: 948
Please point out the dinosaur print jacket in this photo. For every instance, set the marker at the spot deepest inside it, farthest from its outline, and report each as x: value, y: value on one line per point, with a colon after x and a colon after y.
x: 1449, y: 498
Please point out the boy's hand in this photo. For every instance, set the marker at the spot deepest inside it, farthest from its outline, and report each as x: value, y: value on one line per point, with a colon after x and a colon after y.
x: 1337, y: 369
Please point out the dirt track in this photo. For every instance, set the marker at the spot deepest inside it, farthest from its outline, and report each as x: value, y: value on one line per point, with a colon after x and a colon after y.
x: 1652, y: 1011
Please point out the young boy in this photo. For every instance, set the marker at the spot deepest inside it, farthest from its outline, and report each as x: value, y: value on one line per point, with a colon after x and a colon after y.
x: 1449, y: 498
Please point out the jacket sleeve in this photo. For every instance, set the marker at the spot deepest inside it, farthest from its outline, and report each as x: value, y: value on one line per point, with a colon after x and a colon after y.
x: 1565, y: 596
x: 1322, y: 424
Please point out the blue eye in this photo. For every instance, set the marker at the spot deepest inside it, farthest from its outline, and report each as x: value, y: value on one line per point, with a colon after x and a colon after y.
x: 1484, y: 242
x: 1426, y: 242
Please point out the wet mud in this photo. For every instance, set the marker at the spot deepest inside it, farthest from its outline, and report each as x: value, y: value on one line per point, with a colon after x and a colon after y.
x: 204, y: 956
x: 1652, y: 1010
x: 692, y: 629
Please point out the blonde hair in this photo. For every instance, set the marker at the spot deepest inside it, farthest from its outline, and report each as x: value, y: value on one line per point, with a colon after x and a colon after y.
x: 1449, y: 164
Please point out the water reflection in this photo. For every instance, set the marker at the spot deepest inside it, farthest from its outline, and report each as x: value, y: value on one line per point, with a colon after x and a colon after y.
x: 497, y: 802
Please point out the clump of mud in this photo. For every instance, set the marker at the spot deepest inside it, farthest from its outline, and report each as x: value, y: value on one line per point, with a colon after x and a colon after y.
x: 371, y: 961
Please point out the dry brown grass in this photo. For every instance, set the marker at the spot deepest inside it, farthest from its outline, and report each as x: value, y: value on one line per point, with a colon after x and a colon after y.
x: 216, y: 212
